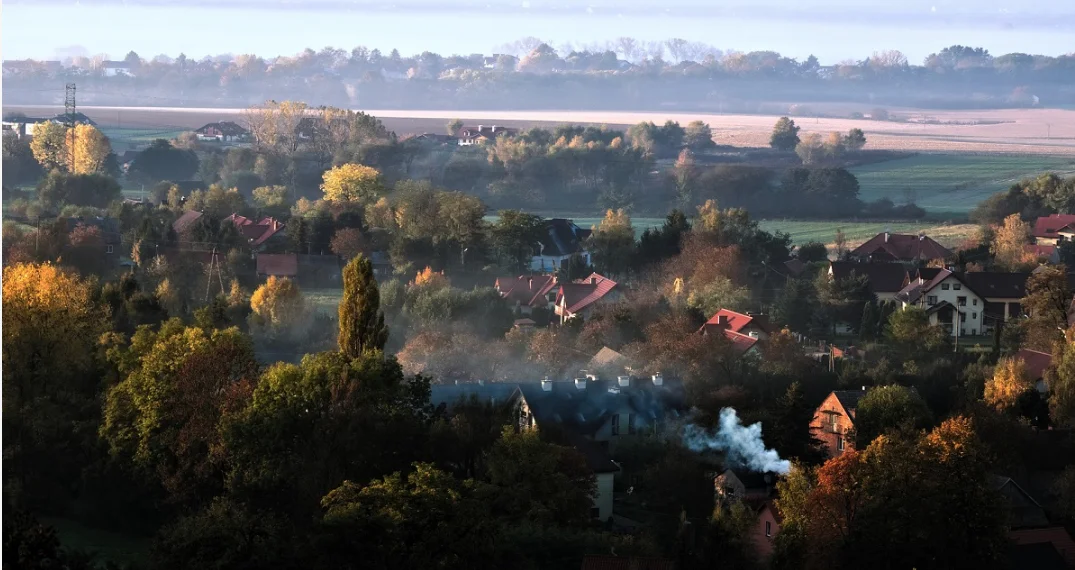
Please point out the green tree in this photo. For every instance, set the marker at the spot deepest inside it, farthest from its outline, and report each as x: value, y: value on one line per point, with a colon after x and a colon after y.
x: 60, y: 188
x: 612, y: 243
x: 785, y: 135
x: 910, y: 329
x: 886, y: 409
x: 812, y: 251
x: 1047, y: 300
x: 453, y: 126
x: 1061, y: 381
x: 362, y: 325
x: 515, y: 237
x: 424, y: 519
x: 855, y: 140
x: 699, y: 136
x: 794, y: 305
x: 870, y: 324
x: 226, y: 534
x: 786, y: 434
x: 162, y: 161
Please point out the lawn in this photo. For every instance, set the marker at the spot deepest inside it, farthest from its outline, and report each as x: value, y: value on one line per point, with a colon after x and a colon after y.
x: 120, y: 549
x: 951, y: 182
x: 125, y: 139
x: 327, y: 301
x: 858, y: 232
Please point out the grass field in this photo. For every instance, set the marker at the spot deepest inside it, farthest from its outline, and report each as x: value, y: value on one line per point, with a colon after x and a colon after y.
x: 123, y: 139
x: 326, y: 301
x: 120, y: 549
x: 952, y: 183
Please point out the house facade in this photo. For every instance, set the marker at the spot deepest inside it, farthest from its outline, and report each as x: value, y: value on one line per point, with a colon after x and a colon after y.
x: 766, y: 527
x: 835, y: 418
x: 948, y: 301
x: 562, y: 239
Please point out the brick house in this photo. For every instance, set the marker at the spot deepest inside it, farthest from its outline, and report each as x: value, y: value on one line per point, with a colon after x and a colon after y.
x: 835, y: 418
x: 765, y: 529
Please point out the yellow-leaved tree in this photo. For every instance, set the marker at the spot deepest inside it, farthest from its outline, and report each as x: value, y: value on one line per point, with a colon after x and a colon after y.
x: 612, y: 242
x: 431, y: 279
x: 1009, y: 244
x: 90, y: 148
x: 352, y: 183
x: 278, y: 303
x: 49, y: 145
x: 1009, y: 381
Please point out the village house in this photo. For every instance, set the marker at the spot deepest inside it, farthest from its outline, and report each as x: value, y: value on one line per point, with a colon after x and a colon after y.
x: 1053, y: 229
x: 742, y: 485
x: 766, y: 527
x: 948, y: 301
x: 223, y: 131
x: 745, y: 331
x: 528, y: 292
x: 114, y: 68
x: 834, y: 418
x: 904, y: 248
x: 562, y: 239
x: 1029, y: 526
x: 258, y: 232
x: 469, y: 136
x: 578, y: 299
x: 886, y: 279
x: 24, y: 127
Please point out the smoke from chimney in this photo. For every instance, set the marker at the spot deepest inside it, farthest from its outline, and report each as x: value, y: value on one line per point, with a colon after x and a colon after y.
x: 742, y: 445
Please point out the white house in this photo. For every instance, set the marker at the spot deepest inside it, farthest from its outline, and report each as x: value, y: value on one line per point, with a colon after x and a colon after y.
x: 114, y: 68
x: 948, y: 301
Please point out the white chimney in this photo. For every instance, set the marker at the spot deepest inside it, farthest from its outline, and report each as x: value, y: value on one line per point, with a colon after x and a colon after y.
x: 658, y: 380
x: 613, y: 389
x: 886, y: 237
x: 591, y: 377
x: 624, y: 381
x: 753, y: 334
x: 482, y: 127
x: 580, y: 383
x: 493, y: 130
x: 546, y: 384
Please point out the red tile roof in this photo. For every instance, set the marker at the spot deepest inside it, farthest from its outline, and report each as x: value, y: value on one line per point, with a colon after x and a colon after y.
x: 584, y: 292
x: 1035, y: 362
x: 736, y: 321
x: 740, y: 342
x: 185, y: 221
x: 529, y: 290
x: 904, y: 247
x: 256, y: 232
x: 1048, y: 226
x: 1039, y: 251
x: 280, y: 265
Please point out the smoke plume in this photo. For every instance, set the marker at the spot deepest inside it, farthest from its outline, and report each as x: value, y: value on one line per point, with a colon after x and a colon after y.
x: 742, y: 445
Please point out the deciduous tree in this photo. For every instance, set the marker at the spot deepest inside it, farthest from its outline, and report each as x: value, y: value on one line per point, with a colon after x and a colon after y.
x: 278, y: 303
x: 887, y: 409
x: 352, y: 183
x: 785, y: 135
x: 362, y: 325
x: 613, y: 242
x: 1009, y: 245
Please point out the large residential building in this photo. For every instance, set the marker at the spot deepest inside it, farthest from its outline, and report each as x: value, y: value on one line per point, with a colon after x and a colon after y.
x: 904, y: 248
x: 948, y: 301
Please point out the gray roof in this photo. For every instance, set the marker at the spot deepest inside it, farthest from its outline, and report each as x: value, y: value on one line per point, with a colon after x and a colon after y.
x: 487, y: 392
x: 584, y: 411
x: 563, y: 237
x: 849, y: 399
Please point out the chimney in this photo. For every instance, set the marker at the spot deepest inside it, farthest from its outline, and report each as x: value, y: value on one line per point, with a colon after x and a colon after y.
x: 531, y: 283
x: 624, y: 381
x: 753, y: 334
x: 921, y: 237
x: 493, y: 130
x: 722, y: 320
x: 658, y: 380
x: 886, y: 237
x: 580, y: 383
x: 546, y: 384
x: 593, y: 281
x: 481, y: 128
x: 591, y: 377
x: 481, y: 382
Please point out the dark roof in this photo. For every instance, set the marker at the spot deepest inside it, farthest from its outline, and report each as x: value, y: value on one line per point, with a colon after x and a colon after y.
x: 794, y: 267
x: 904, y: 247
x: 755, y: 479
x: 491, y: 392
x: 883, y: 277
x: 605, y: 562
x: 584, y: 411
x: 185, y: 221
x: 562, y: 237
x: 995, y: 284
x: 485, y: 131
x: 925, y: 273
x: 849, y: 399
x: 109, y: 227
x: 741, y: 343
x: 225, y: 128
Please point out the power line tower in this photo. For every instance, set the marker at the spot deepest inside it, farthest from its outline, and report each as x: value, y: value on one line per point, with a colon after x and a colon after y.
x: 69, y: 124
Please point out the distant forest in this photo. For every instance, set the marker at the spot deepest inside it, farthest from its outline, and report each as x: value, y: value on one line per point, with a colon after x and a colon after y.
x: 621, y: 74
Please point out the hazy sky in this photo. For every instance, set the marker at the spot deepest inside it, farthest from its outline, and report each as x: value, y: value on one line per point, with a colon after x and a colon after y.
x: 833, y: 30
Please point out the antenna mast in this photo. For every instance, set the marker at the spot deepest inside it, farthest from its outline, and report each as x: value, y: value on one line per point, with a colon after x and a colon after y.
x: 69, y: 123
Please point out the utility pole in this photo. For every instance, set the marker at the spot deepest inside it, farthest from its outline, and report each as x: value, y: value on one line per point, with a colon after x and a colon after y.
x: 69, y: 123
x: 209, y: 281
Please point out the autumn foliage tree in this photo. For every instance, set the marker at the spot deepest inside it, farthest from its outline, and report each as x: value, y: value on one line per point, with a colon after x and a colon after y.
x: 278, y: 303
x: 1009, y: 244
x: 348, y: 243
x: 1010, y: 381
x: 352, y: 183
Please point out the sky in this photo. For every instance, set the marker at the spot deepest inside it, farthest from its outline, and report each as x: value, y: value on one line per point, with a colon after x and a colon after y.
x: 832, y: 30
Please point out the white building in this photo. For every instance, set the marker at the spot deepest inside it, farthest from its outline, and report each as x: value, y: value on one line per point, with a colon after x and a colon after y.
x: 948, y: 301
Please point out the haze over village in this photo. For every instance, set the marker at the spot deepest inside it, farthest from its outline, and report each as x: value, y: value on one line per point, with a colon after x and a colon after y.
x: 537, y: 285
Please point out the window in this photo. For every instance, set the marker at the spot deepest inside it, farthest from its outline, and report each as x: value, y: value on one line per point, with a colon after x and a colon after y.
x: 962, y: 317
x: 957, y: 286
x: 768, y: 529
x: 931, y: 300
x: 961, y: 301
x: 974, y: 315
x: 944, y: 286
x: 108, y: 248
x: 616, y: 424
x: 835, y: 422
x: 595, y: 512
x: 974, y: 302
x: 973, y: 332
x: 839, y: 443
x: 631, y: 424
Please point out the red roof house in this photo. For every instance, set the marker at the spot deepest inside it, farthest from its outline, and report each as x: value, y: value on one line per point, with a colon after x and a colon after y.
x: 753, y: 326
x: 1049, y: 229
x: 578, y: 299
x: 900, y: 247
x: 256, y: 232
x: 527, y: 291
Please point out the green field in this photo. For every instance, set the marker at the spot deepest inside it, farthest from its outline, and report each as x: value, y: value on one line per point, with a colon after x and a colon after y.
x: 951, y: 183
x: 326, y: 301
x: 858, y: 232
x: 127, y: 139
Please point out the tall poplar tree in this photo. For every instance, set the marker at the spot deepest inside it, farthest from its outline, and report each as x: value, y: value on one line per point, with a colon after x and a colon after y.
x: 361, y: 320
